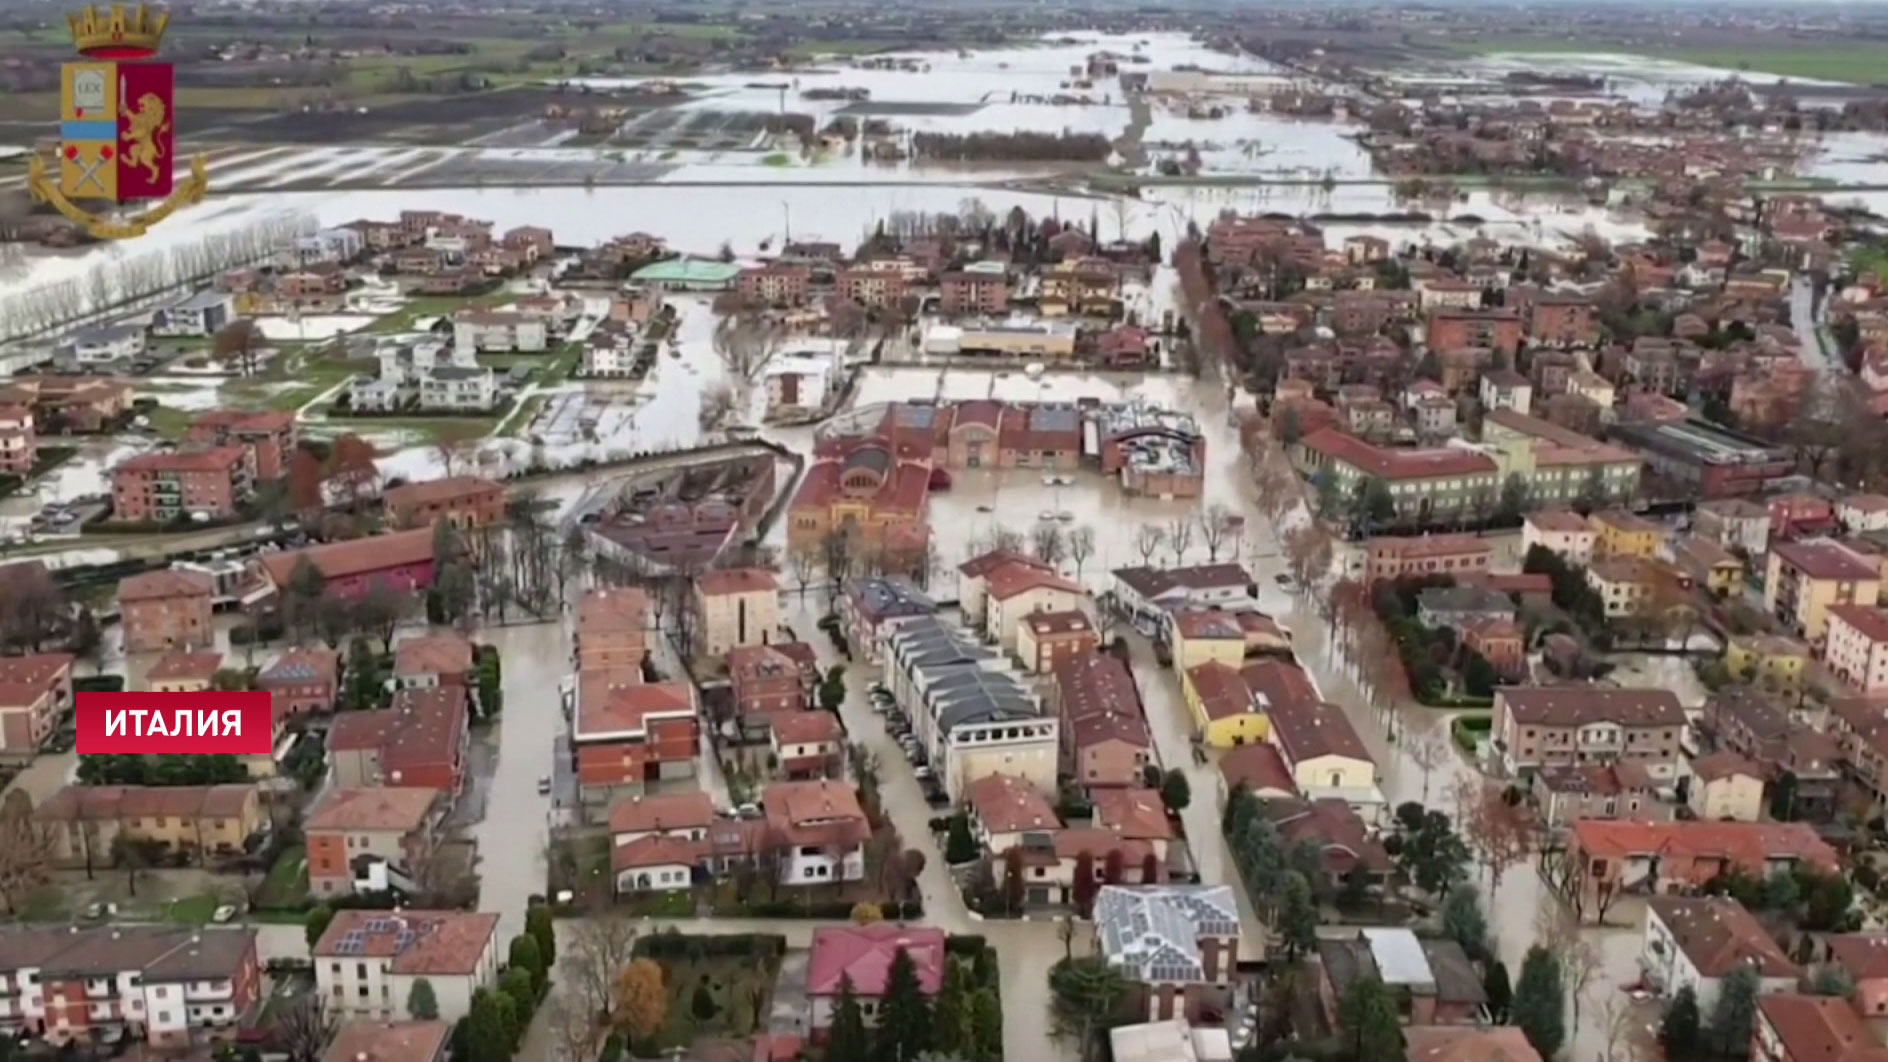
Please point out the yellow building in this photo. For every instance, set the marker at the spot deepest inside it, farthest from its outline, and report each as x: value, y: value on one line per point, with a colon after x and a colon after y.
x: 1225, y: 713
x: 1200, y: 635
x: 1323, y: 750
x: 1806, y: 578
x: 1726, y: 786
x: 198, y: 820
x: 183, y: 672
x: 1767, y: 660
x: 1618, y: 533
x: 1709, y: 564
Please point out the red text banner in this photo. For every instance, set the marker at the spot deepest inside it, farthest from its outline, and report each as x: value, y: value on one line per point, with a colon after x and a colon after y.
x: 159, y: 723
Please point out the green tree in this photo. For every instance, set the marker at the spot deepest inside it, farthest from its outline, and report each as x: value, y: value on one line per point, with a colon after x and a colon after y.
x: 846, y: 1038
x: 521, y: 986
x: 959, y: 845
x: 487, y: 1039
x: 1539, y: 1006
x: 316, y: 923
x: 1479, y: 677
x: 1297, y: 917
x: 904, y: 1013
x: 1734, y: 1012
x: 1834, y: 981
x: 1783, y: 797
x: 421, y: 1003
x: 1515, y: 498
x: 1175, y: 791
x: 1367, y: 1016
x: 365, y: 683
x: 1433, y: 855
x: 1085, y: 994
x: 986, y: 1023
x: 1260, y: 856
x: 538, y: 923
x: 951, y: 1032
x: 1370, y: 504
x: 1464, y: 922
x: 1499, y: 992
x: 510, y: 1023
x: 524, y: 956
x: 1679, y: 1032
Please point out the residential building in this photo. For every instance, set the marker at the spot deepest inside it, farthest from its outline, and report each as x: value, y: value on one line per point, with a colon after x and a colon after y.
x: 860, y: 957
x: 202, y: 485
x: 818, y: 828
x: 441, y: 658
x: 301, y: 680
x: 1347, y: 846
x: 1618, y: 533
x: 1566, y: 794
x: 1578, y: 725
x: 1726, y: 786
x: 1696, y: 942
x: 19, y: 443
x: 799, y: 384
x: 1015, y: 590
x: 1624, y: 584
x: 1862, y: 512
x: 1771, y: 661
x: 390, y: 1041
x: 1804, y: 579
x: 972, y: 715
x: 1462, y: 1043
x: 1135, y: 814
x: 1225, y: 710
x: 873, y: 605
x: 984, y: 290
x: 183, y: 671
x: 164, y: 987
x: 166, y: 609
x: 738, y: 606
x: 195, y: 821
x: 1506, y: 389
x: 450, y: 388
x: 397, y: 560
x: 464, y: 502
x: 1864, y: 957
x: 1005, y: 810
x: 775, y: 284
x: 1424, y: 484
x: 1199, y: 635
x: 1797, y: 1028
x: 1392, y: 558
x: 1734, y: 523
x: 35, y: 694
x: 1103, y: 736
x: 1326, y: 757
x: 269, y: 435
x: 683, y: 816
x: 1155, y: 593
x: 1707, y: 564
x: 366, y: 962
x: 1856, y: 647
x: 371, y: 839
x: 1605, y: 860
x: 1433, y: 981
x: 767, y: 680
x: 107, y: 343
x: 625, y: 733
x: 492, y: 331
x: 611, y: 631
x: 419, y: 741
x: 1179, y: 944
x: 1567, y: 534
x: 1045, y: 639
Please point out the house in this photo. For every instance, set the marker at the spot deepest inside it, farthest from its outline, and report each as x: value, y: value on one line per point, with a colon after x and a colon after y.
x: 1326, y: 757
x: 1544, y: 726
x: 443, y: 658
x: 1200, y: 635
x: 193, y: 821
x: 390, y: 1041
x: 492, y: 331
x: 1433, y: 981
x: 1618, y: 533
x: 1156, y: 592
x: 1260, y: 769
x: 1796, y: 1028
x: 183, y: 671
x: 860, y: 957
x: 269, y: 435
x: 464, y: 502
x: 1696, y: 941
x: 107, y: 343
x: 366, y: 962
x: 1045, y: 639
x: 1734, y: 523
x: 1133, y: 814
x: 1460, y: 606
x: 1386, y: 558
x: 1016, y: 590
x: 1776, y: 662
x: 163, y: 987
x: 1864, y: 957
x: 818, y: 828
x: 1104, y: 740
x: 1862, y: 512
x: 738, y: 606
x: 1708, y: 564
x: 166, y: 609
x: 807, y: 744
x: 1807, y: 577
x: 1178, y: 943
x: 35, y: 694
x: 973, y: 580
x: 656, y: 863
x: 684, y: 816
x: 1604, y: 860
x: 397, y: 560
x: 1566, y: 794
x: 800, y: 384
x: 1726, y: 786
x: 1460, y: 1043
x: 202, y: 314
x: 370, y: 839
x: 1225, y: 710
x: 450, y: 388
x: 1346, y: 845
x: 1565, y: 533
x: 610, y: 633
x: 1506, y: 389
x: 768, y: 681
x: 1624, y: 585
x: 301, y: 680
x: 419, y: 741
x: 202, y: 485
x: 1004, y: 809
x: 625, y: 733
x: 1500, y: 642
x: 1856, y: 646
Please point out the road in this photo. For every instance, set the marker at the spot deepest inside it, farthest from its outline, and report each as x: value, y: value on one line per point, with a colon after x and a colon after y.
x: 1815, y: 353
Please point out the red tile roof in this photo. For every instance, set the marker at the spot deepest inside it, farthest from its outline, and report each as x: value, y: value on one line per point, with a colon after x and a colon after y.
x: 660, y: 812
x: 1008, y: 580
x: 1749, y: 844
x: 1822, y: 559
x: 1579, y: 705
x: 372, y: 808
x: 421, y: 730
x: 211, y: 459
x: 1222, y: 692
x: 1863, y: 955
x: 864, y: 954
x: 823, y: 812
x: 1717, y: 934
x: 1136, y: 814
x: 389, y: 1041
x: 167, y: 583
x: 360, y: 556
x: 1392, y: 464
x: 1820, y: 1029
x: 1724, y: 765
x: 657, y: 850
x: 1004, y: 803
x: 1308, y: 730
x: 615, y: 704
x: 184, y: 665
x: 805, y: 728
x: 1869, y: 621
x: 436, y: 942
x: 443, y: 653
x: 1260, y: 767
x: 736, y: 581
x: 435, y: 491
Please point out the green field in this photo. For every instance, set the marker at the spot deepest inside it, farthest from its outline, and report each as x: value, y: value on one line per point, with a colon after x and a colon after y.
x: 1855, y: 63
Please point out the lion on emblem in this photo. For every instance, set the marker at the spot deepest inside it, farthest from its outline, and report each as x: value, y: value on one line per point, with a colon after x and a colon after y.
x: 147, y: 122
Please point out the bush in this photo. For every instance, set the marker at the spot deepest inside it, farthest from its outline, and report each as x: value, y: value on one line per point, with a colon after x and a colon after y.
x: 828, y: 910
x: 1468, y: 730
x: 674, y: 944
x: 248, y: 633
x: 99, y: 684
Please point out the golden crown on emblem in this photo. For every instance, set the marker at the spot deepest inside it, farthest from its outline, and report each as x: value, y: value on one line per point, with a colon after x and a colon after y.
x: 122, y: 31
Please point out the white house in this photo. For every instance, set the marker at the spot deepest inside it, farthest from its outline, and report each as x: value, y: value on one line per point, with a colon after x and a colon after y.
x: 202, y: 314
x: 105, y: 343
x: 367, y: 961
x: 610, y: 350
x: 454, y: 388
x: 656, y: 863
x: 488, y: 330
x: 365, y: 394
x: 799, y: 383
x: 1696, y: 941
x: 1158, y: 591
x: 327, y: 245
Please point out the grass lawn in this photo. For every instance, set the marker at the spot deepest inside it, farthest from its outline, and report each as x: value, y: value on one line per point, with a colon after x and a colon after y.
x: 401, y: 320
x: 191, y: 910
x: 169, y: 422
x: 520, y: 425
x: 428, y: 429
x: 740, y: 987
x: 287, y: 884
x: 1859, y: 64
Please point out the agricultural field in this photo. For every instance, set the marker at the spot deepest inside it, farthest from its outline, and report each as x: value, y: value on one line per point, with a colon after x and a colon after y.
x: 1857, y: 64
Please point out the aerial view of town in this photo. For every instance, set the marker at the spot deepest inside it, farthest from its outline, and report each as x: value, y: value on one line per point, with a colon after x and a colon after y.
x: 787, y: 530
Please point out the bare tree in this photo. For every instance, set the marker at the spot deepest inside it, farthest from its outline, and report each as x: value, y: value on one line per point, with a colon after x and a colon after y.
x: 1501, y: 833
x: 993, y: 539
x: 1427, y: 749
x: 803, y: 563
x: 1216, y: 526
x: 1147, y: 542
x: 575, y: 1033
x: 26, y: 849
x: 1081, y: 547
x: 304, y: 1028
x: 600, y: 946
x: 717, y: 404
x: 1180, y: 538
x: 1557, y: 928
x: 1308, y: 554
x: 1047, y: 542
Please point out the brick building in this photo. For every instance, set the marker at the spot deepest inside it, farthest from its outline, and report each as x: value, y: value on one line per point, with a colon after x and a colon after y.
x: 166, y: 609
x: 158, y: 488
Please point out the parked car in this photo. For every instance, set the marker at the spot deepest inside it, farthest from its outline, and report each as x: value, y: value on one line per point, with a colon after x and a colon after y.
x: 223, y: 913
x: 544, y: 786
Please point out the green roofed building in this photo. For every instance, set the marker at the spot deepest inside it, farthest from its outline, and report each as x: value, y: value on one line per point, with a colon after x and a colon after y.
x: 687, y: 274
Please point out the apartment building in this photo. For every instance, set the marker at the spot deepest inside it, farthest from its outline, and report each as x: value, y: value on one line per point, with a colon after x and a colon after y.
x: 1103, y: 735
x: 738, y: 606
x: 625, y: 734
x: 1618, y: 533
x: 35, y: 694
x: 1547, y: 726
x: 19, y: 444
x: 1392, y: 558
x: 612, y: 629
x: 369, y: 840
x: 489, y: 331
x: 1856, y: 648
x: 207, y: 484
x: 367, y: 961
x: 464, y: 502
x: 171, y: 987
x: 419, y: 741
x: 301, y: 680
x: 1696, y: 942
x: 269, y: 435
x: 166, y: 609
x: 973, y: 715
x: 1566, y: 534
x: 443, y: 658
x: 199, y: 822
x: 1804, y: 579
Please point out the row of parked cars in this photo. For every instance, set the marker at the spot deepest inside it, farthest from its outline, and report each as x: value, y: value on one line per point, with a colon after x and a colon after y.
x: 899, y: 727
